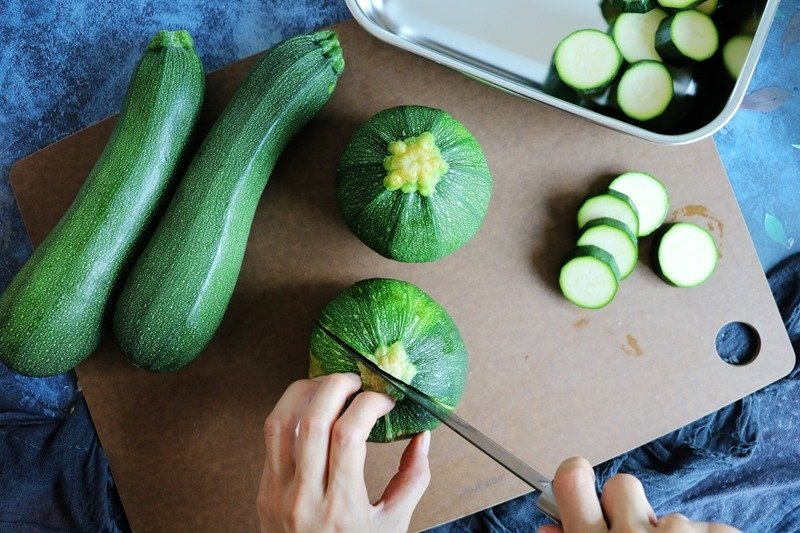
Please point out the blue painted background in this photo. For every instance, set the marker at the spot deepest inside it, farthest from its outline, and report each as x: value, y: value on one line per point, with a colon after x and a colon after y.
x: 65, y: 64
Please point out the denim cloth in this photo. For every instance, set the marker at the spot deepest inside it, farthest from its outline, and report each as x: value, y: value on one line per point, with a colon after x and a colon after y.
x: 738, y: 465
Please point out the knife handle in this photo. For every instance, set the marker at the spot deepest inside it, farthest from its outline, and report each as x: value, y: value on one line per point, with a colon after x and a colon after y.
x: 547, y: 503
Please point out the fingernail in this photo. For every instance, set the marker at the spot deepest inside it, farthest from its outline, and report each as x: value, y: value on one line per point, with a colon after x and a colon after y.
x: 426, y: 442
x: 581, y: 463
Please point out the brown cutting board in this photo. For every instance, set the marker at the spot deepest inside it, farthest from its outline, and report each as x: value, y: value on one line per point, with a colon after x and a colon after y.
x: 546, y: 379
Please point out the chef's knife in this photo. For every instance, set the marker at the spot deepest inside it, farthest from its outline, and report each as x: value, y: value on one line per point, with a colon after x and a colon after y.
x: 546, y: 501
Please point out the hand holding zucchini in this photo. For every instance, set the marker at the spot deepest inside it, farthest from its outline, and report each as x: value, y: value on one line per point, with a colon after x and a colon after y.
x: 175, y: 296
x: 52, y: 312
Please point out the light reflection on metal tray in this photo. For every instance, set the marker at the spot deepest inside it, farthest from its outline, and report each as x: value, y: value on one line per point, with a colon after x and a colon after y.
x: 509, y: 44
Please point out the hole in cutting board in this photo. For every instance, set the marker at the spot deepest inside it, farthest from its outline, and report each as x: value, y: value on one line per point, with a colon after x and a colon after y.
x: 738, y: 343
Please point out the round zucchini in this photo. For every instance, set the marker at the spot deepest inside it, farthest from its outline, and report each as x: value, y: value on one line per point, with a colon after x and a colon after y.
x: 406, y: 333
x: 52, y: 313
x: 413, y: 184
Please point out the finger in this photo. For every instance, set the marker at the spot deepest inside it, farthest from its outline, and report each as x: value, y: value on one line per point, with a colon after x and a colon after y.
x: 409, y: 483
x: 280, y: 428
x: 625, y: 503
x: 349, y: 441
x: 314, y: 428
x: 578, y: 505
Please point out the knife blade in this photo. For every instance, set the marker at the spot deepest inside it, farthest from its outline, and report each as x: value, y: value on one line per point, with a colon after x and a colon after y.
x: 546, y: 501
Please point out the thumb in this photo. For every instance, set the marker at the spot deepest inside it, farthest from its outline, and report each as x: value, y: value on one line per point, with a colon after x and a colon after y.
x: 409, y: 483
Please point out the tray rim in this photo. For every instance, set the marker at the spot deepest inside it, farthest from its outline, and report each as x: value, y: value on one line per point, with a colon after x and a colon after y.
x: 359, y: 10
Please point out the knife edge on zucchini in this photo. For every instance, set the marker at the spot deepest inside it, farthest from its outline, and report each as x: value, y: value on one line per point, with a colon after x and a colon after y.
x: 176, y: 295
x: 51, y: 315
x: 405, y: 332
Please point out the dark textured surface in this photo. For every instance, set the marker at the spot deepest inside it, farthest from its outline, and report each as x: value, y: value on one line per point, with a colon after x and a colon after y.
x: 65, y: 65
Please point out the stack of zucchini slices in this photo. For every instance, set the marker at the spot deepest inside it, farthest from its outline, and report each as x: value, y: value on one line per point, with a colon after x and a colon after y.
x: 647, y: 46
x: 610, y: 224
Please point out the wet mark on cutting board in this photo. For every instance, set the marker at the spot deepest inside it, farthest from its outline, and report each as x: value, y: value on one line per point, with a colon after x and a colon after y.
x: 582, y: 323
x: 631, y: 346
x: 712, y: 223
x: 481, y: 485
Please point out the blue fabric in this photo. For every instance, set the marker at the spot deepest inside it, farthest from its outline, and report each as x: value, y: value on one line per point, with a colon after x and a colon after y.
x: 737, y: 466
x: 55, y: 475
x: 64, y: 64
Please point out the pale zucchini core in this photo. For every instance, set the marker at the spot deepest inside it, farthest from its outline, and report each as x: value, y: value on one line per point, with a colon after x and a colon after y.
x: 394, y: 360
x: 415, y: 165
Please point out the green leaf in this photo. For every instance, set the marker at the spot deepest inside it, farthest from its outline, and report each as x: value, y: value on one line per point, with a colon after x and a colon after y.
x: 775, y: 230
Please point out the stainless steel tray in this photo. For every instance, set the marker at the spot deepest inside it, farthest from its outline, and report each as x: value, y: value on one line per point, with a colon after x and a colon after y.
x: 509, y: 44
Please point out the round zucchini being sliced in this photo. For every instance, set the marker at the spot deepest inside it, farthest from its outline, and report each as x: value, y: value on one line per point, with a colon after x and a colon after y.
x: 589, y: 277
x: 406, y: 333
x: 413, y: 184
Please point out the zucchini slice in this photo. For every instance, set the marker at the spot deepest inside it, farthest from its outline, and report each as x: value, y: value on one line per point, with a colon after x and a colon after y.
x: 645, y: 90
x: 648, y: 194
x: 680, y: 4
x: 635, y: 35
x: 615, y: 238
x: 609, y: 11
x: 589, y: 277
x: 686, y: 255
x: 587, y: 60
x: 687, y: 37
x: 708, y: 7
x: 635, y: 6
x: 610, y: 204
x: 734, y: 54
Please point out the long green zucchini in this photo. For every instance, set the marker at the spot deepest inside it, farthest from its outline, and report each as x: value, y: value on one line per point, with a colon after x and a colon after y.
x: 175, y: 297
x: 52, y: 312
